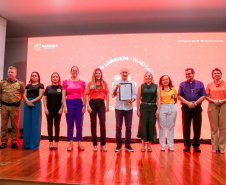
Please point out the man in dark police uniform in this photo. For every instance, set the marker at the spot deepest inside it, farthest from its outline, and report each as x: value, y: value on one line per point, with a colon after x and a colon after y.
x: 11, y: 93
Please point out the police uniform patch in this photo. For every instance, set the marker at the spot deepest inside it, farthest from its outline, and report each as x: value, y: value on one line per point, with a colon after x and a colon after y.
x: 5, y: 84
x: 58, y: 90
x: 17, y: 84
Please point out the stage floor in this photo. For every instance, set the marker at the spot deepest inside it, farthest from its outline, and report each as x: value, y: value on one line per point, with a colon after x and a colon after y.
x: 88, y: 167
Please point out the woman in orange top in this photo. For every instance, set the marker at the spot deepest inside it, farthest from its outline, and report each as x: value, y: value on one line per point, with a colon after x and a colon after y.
x: 168, y: 112
x: 96, y: 92
x: 216, y: 95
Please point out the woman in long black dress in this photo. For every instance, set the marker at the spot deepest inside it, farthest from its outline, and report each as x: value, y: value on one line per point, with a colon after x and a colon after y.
x: 148, y: 106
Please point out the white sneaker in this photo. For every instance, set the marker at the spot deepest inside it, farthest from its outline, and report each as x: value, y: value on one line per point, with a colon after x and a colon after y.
x: 171, y: 149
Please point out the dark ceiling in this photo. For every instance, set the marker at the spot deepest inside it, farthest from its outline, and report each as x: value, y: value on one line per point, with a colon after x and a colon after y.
x: 34, y: 18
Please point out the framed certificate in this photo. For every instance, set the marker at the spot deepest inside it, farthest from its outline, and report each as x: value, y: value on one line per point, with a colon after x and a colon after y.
x: 125, y: 91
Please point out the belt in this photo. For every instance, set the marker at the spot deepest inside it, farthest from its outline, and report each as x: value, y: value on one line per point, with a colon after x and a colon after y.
x: 17, y: 104
x: 148, y: 103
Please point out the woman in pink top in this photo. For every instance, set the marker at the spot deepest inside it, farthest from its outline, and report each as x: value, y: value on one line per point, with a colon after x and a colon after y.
x: 74, y: 101
x: 216, y: 95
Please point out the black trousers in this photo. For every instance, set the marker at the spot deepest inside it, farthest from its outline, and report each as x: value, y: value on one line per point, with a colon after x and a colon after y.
x: 98, y: 107
x: 187, y: 116
x: 53, y: 117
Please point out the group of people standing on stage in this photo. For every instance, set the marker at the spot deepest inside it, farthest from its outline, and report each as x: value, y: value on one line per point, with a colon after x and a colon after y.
x: 154, y: 103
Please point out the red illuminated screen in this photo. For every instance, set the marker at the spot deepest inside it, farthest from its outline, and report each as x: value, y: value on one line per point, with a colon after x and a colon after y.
x: 168, y: 53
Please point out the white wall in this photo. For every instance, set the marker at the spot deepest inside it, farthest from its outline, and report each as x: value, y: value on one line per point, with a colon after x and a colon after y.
x: 2, y: 47
x: 16, y: 55
x: 2, y: 44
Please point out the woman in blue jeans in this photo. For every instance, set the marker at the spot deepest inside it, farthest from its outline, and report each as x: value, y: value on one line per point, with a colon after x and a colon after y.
x: 32, y: 112
x: 97, y: 91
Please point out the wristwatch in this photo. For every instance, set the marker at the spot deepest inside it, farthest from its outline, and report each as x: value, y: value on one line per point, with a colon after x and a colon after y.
x: 195, y: 103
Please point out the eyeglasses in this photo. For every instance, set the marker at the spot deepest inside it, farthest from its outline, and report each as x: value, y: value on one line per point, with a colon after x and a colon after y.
x: 188, y: 74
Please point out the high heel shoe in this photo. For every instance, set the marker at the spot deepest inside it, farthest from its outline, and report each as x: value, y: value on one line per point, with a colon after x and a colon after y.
x: 214, y: 151
x: 95, y: 148
x: 103, y: 149
x: 81, y: 148
x: 69, y: 148
x: 149, y: 147
x: 222, y: 152
x: 50, y: 146
x: 55, y: 147
x: 143, y: 150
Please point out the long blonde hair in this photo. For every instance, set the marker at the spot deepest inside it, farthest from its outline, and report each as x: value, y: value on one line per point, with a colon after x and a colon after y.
x: 93, y: 81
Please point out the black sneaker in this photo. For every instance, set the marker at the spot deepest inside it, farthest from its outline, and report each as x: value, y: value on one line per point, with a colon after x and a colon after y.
x: 14, y: 145
x: 197, y: 149
x: 3, y: 145
x: 129, y: 148
x: 118, y: 148
x: 186, y: 149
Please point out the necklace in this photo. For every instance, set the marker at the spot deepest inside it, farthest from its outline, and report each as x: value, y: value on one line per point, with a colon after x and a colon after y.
x: 34, y: 85
x: 192, y: 88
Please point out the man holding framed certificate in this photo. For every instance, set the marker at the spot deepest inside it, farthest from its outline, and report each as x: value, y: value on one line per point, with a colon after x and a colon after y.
x: 125, y: 92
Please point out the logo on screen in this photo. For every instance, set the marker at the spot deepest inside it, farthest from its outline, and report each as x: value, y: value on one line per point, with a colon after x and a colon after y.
x: 37, y: 47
